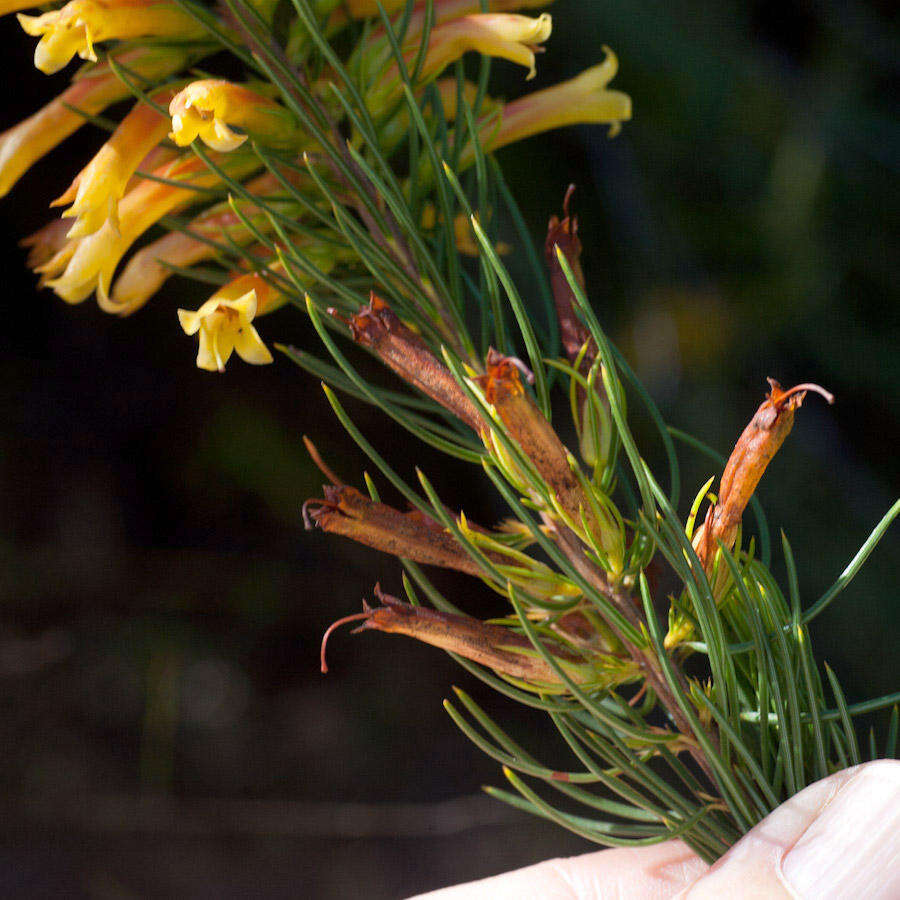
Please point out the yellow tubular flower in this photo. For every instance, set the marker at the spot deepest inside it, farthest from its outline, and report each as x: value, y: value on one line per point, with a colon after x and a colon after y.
x: 505, y: 35
x: 88, y: 263
x: 91, y: 92
x: 146, y: 271
x: 207, y: 109
x: 508, y: 36
x: 584, y: 99
x: 224, y: 322
x: 101, y: 184
x: 80, y: 24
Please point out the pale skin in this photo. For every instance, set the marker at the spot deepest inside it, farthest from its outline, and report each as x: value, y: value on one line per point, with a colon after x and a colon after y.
x: 838, y: 838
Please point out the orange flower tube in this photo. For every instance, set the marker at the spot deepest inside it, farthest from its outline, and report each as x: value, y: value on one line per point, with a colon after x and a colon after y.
x: 146, y: 271
x: 88, y: 263
x: 91, y: 92
x: 581, y: 100
x: 97, y: 189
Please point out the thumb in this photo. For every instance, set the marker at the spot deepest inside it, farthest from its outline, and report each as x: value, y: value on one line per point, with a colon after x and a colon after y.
x: 838, y: 838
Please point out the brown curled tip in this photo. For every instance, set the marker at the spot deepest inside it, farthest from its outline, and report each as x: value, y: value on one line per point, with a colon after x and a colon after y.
x: 778, y: 396
x: 311, y: 518
x: 356, y: 617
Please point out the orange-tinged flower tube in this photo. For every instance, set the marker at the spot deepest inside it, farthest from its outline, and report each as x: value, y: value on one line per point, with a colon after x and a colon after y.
x: 756, y: 447
x: 101, y: 184
x: 446, y: 11
x: 209, y: 109
x: 443, y: 9
x: 45, y: 243
x: 581, y: 100
x: 80, y: 24
x: 87, y: 264
x: 224, y: 322
x: 91, y: 92
x: 147, y: 270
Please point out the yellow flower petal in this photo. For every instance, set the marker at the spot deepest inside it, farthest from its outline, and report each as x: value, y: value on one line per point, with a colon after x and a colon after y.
x: 249, y: 347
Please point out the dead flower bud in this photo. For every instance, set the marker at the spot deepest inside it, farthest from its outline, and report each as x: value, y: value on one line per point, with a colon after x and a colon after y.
x: 345, y: 511
x: 412, y: 534
x: 506, y: 652
x: 528, y: 427
x: 377, y: 326
x: 754, y: 450
x: 564, y: 234
x: 594, y: 425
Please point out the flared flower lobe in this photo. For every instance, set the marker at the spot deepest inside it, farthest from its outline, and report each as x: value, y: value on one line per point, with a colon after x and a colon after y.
x: 225, y: 326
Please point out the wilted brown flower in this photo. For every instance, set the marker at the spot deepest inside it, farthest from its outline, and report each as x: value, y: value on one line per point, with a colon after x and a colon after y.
x: 377, y: 326
x: 564, y: 234
x: 754, y: 450
x: 506, y: 652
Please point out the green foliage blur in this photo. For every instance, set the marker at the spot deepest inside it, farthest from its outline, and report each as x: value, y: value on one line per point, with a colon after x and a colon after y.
x: 165, y: 728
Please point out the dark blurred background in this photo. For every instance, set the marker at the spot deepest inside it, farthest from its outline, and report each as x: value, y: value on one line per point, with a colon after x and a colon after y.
x: 164, y: 728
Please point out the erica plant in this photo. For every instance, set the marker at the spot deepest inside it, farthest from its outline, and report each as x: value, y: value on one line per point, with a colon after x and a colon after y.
x: 337, y: 160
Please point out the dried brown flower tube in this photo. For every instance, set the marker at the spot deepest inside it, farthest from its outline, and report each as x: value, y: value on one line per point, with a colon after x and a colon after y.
x: 378, y: 327
x: 412, y: 534
x: 756, y: 447
x: 564, y: 234
x: 530, y: 429
x: 345, y: 511
x: 504, y: 651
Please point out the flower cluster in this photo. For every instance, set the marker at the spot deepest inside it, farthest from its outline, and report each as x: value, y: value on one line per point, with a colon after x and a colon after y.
x: 186, y: 141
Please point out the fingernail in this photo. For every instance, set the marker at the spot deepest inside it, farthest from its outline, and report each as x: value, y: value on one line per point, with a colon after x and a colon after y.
x: 851, y: 849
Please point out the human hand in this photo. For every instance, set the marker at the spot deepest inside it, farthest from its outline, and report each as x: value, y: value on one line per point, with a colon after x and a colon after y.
x: 838, y: 838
